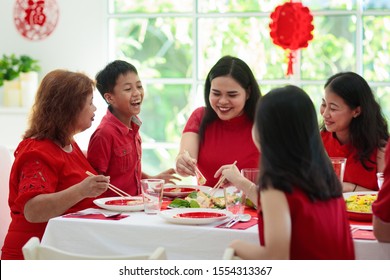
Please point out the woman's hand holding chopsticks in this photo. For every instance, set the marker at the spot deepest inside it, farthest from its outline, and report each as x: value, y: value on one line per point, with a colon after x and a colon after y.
x: 116, y: 190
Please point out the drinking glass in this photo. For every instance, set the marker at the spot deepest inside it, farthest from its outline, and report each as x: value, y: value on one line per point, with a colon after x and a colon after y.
x: 339, y: 166
x: 152, y: 193
x: 379, y: 176
x: 234, y: 200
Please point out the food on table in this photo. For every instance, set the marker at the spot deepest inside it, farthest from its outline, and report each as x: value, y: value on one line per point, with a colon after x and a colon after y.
x: 360, y: 203
x: 198, y: 200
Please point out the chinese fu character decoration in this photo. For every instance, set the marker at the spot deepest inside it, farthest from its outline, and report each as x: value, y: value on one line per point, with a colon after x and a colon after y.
x: 291, y: 28
x: 36, y: 20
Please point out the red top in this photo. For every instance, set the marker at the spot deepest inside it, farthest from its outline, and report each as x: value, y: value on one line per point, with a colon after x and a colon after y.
x: 224, y: 142
x: 381, y: 207
x: 320, y: 229
x: 40, y: 166
x: 115, y: 151
x: 355, y: 173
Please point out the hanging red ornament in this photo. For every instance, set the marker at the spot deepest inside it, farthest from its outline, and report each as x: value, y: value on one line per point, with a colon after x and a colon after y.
x: 291, y: 28
x: 35, y: 20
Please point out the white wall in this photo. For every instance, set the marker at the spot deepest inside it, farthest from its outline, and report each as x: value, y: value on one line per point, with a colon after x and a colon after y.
x: 78, y: 43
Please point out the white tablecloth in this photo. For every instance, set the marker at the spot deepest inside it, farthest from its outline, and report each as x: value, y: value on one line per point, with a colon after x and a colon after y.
x: 140, y: 233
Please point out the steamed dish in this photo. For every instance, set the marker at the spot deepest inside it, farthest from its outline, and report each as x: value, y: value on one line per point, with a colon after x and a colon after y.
x: 198, y: 200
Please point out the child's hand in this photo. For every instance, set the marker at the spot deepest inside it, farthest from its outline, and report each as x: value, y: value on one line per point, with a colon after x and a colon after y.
x: 168, y: 176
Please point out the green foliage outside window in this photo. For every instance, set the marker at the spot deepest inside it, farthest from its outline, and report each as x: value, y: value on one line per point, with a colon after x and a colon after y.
x: 174, y: 43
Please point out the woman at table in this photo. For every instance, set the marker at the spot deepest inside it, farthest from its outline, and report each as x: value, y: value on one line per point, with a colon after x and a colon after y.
x: 303, y: 210
x: 220, y: 132
x: 48, y: 176
x: 354, y: 128
x: 381, y: 207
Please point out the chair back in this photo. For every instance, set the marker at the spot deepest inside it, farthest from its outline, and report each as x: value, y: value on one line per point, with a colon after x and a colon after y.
x: 34, y: 250
x: 5, y: 169
x: 229, y: 254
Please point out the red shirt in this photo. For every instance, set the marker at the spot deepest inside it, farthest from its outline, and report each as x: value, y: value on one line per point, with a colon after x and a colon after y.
x: 355, y: 173
x: 115, y: 150
x: 224, y: 142
x: 40, y: 166
x: 381, y: 207
x: 319, y: 230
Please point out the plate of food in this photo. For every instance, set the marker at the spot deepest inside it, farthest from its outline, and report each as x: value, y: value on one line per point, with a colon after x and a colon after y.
x: 179, y: 190
x: 192, y: 216
x: 359, y: 205
x: 198, y: 199
x: 121, y: 204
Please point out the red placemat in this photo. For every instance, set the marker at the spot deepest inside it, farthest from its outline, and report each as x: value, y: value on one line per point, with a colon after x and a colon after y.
x: 363, y: 234
x: 95, y: 216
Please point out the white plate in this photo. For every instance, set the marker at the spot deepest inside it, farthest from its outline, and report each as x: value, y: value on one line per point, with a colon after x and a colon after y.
x: 118, y: 203
x: 179, y: 190
x: 192, y: 216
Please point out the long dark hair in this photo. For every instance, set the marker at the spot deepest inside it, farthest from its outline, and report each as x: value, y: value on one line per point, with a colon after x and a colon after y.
x: 369, y: 130
x: 292, y: 153
x: 242, y: 74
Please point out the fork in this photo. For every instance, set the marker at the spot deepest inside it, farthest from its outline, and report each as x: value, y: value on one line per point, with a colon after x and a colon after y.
x: 232, y: 222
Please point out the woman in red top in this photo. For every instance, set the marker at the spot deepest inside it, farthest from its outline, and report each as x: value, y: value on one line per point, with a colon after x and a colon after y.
x: 381, y: 207
x: 303, y: 210
x: 48, y: 176
x: 220, y: 133
x: 354, y: 127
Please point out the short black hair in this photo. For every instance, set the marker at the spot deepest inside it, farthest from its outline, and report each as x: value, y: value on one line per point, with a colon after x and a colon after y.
x: 106, y: 78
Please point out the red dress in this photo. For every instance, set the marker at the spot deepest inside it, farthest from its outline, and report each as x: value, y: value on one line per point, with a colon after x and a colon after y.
x: 355, y: 173
x: 224, y: 142
x: 381, y: 207
x: 40, y: 166
x: 115, y: 150
x: 320, y: 230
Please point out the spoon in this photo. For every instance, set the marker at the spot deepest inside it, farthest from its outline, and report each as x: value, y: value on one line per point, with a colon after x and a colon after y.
x: 241, y: 218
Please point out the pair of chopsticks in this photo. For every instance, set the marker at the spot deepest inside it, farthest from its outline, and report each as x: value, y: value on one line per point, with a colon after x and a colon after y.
x: 116, y: 190
x: 201, y: 179
x: 219, y: 183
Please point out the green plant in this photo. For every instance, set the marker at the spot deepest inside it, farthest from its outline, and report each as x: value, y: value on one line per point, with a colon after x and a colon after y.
x: 27, y: 64
x: 11, y: 66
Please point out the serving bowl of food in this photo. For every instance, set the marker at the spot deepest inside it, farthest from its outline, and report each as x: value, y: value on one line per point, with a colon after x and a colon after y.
x: 359, y: 204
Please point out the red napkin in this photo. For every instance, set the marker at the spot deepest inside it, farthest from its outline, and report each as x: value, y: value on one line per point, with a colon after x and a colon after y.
x: 95, y: 216
x: 241, y: 225
x: 363, y: 234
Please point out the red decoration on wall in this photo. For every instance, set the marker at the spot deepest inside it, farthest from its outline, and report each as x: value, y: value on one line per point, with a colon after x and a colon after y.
x: 291, y: 28
x: 36, y: 20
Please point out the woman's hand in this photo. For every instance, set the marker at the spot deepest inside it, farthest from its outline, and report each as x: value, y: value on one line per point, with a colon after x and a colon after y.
x: 185, y: 164
x: 93, y: 186
x: 232, y: 175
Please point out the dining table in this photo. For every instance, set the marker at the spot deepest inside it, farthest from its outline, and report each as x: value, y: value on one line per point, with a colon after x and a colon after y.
x: 136, y: 232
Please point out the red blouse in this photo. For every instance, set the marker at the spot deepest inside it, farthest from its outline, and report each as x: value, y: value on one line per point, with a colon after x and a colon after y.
x: 224, y: 142
x: 115, y: 150
x: 355, y: 173
x: 320, y: 230
x: 381, y: 207
x: 40, y: 167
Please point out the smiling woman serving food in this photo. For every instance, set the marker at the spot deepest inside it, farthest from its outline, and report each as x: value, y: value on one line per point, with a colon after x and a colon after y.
x: 48, y: 175
x: 220, y: 133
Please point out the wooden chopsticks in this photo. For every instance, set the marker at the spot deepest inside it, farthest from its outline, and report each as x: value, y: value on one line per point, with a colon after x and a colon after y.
x: 116, y: 190
x: 201, y: 179
x: 219, y: 183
